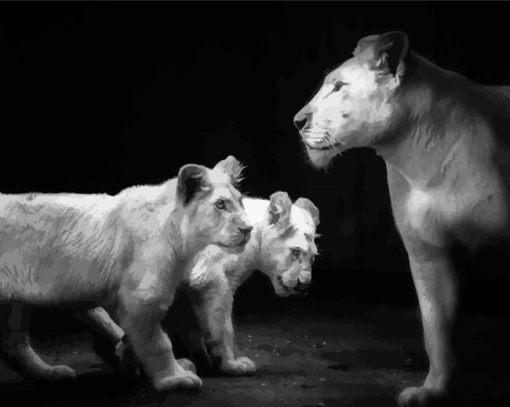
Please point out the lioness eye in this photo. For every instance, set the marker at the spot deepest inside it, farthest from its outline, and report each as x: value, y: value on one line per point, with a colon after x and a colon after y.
x: 296, y: 252
x: 220, y: 204
x: 337, y: 86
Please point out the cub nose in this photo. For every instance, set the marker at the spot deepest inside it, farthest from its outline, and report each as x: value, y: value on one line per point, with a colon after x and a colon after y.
x: 246, y: 230
x: 302, y: 287
x: 304, y: 281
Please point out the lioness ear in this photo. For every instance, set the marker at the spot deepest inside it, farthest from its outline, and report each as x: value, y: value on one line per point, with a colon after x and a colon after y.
x: 192, y: 179
x: 309, y: 206
x: 384, y: 51
x: 279, y: 209
x: 232, y: 167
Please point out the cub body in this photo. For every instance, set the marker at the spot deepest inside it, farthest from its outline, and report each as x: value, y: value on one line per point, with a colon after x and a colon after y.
x: 282, y: 247
x: 121, y: 252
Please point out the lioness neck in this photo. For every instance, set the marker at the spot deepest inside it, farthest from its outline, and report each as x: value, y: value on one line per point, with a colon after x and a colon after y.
x: 436, y: 111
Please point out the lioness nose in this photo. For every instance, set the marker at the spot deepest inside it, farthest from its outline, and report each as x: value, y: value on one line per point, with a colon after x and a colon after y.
x: 300, y: 119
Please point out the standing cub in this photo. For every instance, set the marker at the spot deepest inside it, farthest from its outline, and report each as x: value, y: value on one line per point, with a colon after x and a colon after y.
x: 282, y: 246
x: 121, y: 252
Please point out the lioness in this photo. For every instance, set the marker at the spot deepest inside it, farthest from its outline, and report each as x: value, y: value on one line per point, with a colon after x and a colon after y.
x: 282, y: 246
x: 121, y: 252
x: 444, y: 141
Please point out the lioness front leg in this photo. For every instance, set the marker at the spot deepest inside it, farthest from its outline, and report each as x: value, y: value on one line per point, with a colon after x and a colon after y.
x: 140, y: 318
x: 213, y: 307
x: 17, y: 351
x: 437, y: 295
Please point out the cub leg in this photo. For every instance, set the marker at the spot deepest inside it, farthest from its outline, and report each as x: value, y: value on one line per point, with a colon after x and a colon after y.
x: 16, y: 349
x: 437, y: 295
x: 140, y: 316
x: 213, y: 307
x: 112, y: 344
x: 109, y: 341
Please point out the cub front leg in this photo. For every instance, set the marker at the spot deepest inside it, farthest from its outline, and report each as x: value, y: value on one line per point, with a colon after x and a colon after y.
x: 437, y: 292
x: 144, y: 300
x: 213, y: 307
x: 110, y: 342
x: 152, y: 347
x: 112, y: 345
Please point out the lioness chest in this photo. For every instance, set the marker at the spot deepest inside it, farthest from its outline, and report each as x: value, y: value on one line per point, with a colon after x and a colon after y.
x: 469, y: 213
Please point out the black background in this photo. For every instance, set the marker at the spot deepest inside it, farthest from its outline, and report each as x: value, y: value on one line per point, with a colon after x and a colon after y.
x: 98, y: 97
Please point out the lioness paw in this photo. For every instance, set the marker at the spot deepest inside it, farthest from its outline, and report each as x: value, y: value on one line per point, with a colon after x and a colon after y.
x: 241, y: 366
x: 420, y: 397
x: 183, y: 380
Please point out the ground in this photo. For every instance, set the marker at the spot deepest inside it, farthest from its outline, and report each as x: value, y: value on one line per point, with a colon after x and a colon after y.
x: 311, y: 352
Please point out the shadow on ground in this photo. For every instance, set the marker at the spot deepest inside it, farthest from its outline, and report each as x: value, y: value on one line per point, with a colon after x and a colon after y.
x: 309, y: 353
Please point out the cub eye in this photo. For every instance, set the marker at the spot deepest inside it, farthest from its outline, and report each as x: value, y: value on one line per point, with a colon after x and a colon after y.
x: 296, y: 252
x: 220, y: 204
x: 337, y: 86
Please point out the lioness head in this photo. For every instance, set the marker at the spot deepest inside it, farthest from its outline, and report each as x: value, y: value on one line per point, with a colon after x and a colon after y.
x: 214, y: 212
x: 288, y: 243
x: 354, y: 106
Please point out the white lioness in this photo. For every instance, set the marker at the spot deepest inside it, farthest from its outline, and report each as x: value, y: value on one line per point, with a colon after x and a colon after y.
x: 444, y: 141
x: 120, y: 252
x: 282, y: 246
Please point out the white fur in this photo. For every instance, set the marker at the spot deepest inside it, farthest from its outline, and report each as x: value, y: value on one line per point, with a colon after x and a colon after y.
x: 444, y: 140
x: 258, y: 251
x: 213, y: 276
x: 123, y: 252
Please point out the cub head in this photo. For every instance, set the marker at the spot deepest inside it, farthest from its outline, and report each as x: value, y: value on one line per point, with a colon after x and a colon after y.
x: 213, y: 207
x: 288, y: 243
x: 354, y: 105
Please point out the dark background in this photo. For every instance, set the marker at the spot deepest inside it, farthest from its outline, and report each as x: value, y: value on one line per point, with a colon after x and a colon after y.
x: 98, y: 97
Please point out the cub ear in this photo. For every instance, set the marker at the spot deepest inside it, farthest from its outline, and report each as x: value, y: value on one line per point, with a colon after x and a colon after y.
x: 232, y: 167
x: 309, y: 206
x: 192, y: 179
x: 385, y: 51
x: 279, y: 209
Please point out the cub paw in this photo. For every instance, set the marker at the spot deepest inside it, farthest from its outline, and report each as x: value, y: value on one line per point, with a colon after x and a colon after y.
x: 187, y: 364
x: 126, y: 364
x: 119, y: 357
x: 183, y: 380
x: 60, y: 373
x: 420, y: 397
x: 241, y: 366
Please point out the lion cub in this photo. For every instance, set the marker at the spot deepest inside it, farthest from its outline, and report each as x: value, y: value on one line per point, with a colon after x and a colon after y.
x: 122, y: 252
x: 282, y: 246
